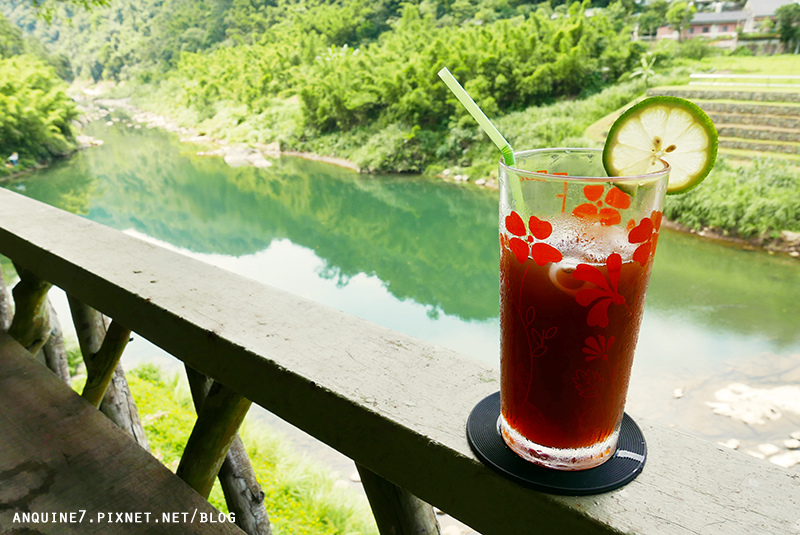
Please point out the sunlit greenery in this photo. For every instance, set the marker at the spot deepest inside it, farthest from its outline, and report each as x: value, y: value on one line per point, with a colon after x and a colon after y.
x: 756, y: 199
x: 351, y: 67
x: 357, y: 78
x: 35, y: 113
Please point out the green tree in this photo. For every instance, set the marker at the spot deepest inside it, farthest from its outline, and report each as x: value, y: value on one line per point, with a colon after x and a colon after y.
x: 35, y: 112
x: 680, y: 15
x: 11, y: 41
x: 653, y: 17
x: 645, y: 70
x: 789, y: 26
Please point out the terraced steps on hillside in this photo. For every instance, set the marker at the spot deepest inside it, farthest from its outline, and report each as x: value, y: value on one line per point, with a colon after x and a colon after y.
x: 758, y: 132
x: 776, y: 121
x: 781, y: 147
x: 694, y: 93
x: 743, y: 154
x: 748, y: 122
x: 749, y: 107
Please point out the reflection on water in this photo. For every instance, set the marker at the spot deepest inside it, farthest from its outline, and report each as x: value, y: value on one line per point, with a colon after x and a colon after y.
x: 427, y: 242
x: 419, y: 256
x: 299, y: 270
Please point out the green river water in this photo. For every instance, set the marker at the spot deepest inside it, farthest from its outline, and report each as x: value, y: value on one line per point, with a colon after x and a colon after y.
x: 421, y: 256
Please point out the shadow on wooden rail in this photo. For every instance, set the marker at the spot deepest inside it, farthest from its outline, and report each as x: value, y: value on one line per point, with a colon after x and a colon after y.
x: 395, y: 405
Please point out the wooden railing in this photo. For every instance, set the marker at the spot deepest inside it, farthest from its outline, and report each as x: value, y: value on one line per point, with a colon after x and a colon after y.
x: 395, y: 405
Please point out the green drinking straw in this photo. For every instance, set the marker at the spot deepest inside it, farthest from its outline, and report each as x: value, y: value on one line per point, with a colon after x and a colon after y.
x: 473, y: 109
x: 498, y: 139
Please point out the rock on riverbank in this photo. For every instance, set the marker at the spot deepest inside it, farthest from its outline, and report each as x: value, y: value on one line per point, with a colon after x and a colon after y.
x: 756, y: 407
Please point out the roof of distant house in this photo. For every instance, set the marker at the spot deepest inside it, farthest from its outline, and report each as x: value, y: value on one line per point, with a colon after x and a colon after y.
x: 767, y: 8
x: 724, y: 16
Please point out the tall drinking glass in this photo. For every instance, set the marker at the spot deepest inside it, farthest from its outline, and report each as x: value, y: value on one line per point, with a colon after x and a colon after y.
x: 576, y: 248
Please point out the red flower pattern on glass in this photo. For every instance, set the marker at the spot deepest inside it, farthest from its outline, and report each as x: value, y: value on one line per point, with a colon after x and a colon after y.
x: 589, y: 383
x: 523, y: 244
x: 604, y: 295
x: 616, y: 199
x: 597, y: 347
x: 646, y: 234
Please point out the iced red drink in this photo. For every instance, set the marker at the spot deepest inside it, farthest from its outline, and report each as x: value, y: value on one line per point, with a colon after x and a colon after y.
x: 575, y: 259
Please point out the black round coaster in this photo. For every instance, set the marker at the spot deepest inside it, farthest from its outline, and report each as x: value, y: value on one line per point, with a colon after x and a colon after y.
x: 484, y: 436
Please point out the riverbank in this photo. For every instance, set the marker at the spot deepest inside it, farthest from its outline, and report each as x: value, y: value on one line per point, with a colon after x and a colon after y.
x: 788, y: 243
x: 260, y: 155
x: 82, y: 142
x: 234, y: 154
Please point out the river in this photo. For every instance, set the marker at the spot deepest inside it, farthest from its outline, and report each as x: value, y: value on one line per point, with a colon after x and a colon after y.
x: 420, y: 255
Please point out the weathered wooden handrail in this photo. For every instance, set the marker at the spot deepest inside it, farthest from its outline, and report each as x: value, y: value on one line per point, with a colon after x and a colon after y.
x: 394, y: 404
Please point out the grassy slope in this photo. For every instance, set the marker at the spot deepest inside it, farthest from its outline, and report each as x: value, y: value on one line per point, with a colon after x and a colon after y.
x: 766, y: 65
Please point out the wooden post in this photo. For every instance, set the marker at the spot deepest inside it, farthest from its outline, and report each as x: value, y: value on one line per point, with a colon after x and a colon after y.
x: 100, y: 368
x: 242, y: 491
x: 119, y: 406
x: 55, y: 355
x: 243, y: 494
x: 217, y: 422
x: 31, y: 324
x: 118, y: 403
x: 397, y: 512
x: 37, y: 324
x: 5, y: 304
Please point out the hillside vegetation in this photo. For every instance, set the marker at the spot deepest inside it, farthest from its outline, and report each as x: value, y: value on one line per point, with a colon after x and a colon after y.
x: 298, y: 71
x: 357, y: 79
x: 35, y: 112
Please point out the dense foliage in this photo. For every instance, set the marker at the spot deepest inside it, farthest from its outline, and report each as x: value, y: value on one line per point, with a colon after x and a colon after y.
x: 789, y: 26
x: 386, y: 92
x: 509, y: 64
x: 751, y: 201
x: 11, y: 41
x: 35, y: 113
x: 297, y: 70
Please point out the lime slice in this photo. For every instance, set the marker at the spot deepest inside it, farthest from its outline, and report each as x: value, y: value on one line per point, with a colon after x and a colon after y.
x: 668, y: 128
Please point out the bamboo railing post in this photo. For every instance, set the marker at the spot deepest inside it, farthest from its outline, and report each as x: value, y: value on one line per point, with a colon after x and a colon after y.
x: 31, y: 323
x: 117, y: 403
x: 243, y: 494
x: 218, y: 420
x: 396, y: 511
